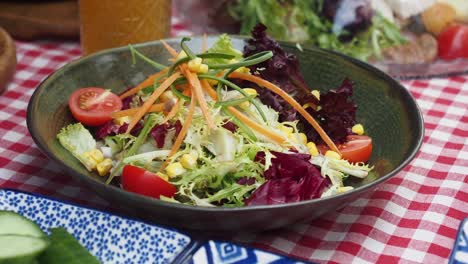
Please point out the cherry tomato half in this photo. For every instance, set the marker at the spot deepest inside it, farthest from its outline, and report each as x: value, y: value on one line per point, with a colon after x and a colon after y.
x: 141, y: 181
x: 355, y: 149
x: 92, y: 106
x: 452, y: 42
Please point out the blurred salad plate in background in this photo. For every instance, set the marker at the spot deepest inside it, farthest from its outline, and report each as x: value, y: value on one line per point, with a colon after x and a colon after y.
x: 405, y: 38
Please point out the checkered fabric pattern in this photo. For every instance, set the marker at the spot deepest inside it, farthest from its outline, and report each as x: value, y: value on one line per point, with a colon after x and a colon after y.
x: 411, y: 218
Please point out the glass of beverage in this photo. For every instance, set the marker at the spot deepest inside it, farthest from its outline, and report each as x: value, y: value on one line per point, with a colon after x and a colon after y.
x: 113, y: 23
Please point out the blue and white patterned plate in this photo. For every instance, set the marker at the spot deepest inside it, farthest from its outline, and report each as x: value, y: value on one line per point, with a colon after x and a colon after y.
x: 114, y: 239
x: 460, y: 250
x: 214, y: 252
x: 110, y: 238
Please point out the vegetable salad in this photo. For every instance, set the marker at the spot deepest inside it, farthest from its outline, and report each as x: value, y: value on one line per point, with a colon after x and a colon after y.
x: 222, y: 127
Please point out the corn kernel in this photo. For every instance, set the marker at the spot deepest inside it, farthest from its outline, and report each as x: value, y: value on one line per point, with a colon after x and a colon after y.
x: 312, y: 148
x: 316, y: 93
x: 302, y: 138
x: 104, y: 167
x: 344, y: 189
x: 299, y: 138
x: 95, y: 154
x: 194, y: 64
x: 163, y: 176
x: 286, y: 129
x: 166, y: 96
x: 332, y: 154
x: 89, y: 163
x: 244, y: 105
x: 122, y: 120
x: 181, y: 55
x: 358, y: 129
x: 175, y: 169
x: 243, y: 70
x: 306, y: 106
x: 203, y: 68
x: 188, y: 161
x: 212, y: 82
x: 250, y: 92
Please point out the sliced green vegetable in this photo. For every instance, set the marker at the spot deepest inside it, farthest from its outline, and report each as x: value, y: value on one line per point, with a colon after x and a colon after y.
x: 64, y: 248
x: 15, y: 224
x: 21, y: 249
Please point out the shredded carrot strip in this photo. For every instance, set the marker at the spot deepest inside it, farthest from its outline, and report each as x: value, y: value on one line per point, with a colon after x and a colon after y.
x: 171, y: 50
x: 198, y: 92
x: 249, y: 122
x: 256, y: 126
x: 210, y: 91
x: 204, y: 44
x: 153, y: 97
x: 182, y: 133
x: 175, y: 109
x: 132, y: 111
x: 149, y: 81
x: 291, y: 101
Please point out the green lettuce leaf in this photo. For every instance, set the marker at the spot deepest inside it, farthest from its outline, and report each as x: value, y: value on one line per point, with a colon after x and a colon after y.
x: 223, y: 45
x: 78, y: 140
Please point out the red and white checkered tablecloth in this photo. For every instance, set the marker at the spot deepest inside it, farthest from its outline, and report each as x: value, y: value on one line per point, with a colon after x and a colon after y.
x: 412, y: 218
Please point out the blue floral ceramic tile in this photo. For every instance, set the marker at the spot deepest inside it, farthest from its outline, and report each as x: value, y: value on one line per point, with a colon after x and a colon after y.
x: 226, y: 253
x: 460, y: 250
x: 111, y: 238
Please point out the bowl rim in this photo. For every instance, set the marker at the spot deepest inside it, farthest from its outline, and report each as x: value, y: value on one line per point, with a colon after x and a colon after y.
x: 42, y: 145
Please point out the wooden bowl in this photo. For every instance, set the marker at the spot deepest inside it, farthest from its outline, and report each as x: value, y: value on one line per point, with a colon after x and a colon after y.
x: 7, y: 59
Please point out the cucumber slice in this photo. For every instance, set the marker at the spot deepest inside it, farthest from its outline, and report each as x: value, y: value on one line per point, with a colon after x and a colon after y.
x: 21, y: 249
x: 12, y: 223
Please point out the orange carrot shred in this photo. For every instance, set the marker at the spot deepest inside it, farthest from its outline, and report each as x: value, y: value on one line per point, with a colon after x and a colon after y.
x: 210, y: 91
x: 176, y: 107
x: 264, y: 83
x: 149, y: 81
x: 170, y: 49
x: 182, y: 133
x: 256, y: 126
x: 204, y: 43
x: 249, y: 122
x: 153, y: 97
x: 198, y: 92
x: 128, y: 112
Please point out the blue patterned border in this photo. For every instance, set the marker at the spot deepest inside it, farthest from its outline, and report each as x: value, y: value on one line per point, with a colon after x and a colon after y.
x: 111, y: 238
x: 459, y: 253
x: 226, y: 253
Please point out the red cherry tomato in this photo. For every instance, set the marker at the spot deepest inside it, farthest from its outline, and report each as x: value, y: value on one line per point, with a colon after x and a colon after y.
x: 355, y: 149
x: 452, y: 42
x: 141, y: 181
x: 92, y: 106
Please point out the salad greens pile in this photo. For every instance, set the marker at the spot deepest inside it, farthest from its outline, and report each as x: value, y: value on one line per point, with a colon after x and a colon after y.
x: 234, y: 128
x: 321, y: 23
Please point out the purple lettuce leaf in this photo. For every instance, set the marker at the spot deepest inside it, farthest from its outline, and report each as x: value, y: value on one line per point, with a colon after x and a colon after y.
x: 111, y: 129
x: 335, y: 111
x: 290, y: 178
x: 159, y: 132
x: 336, y: 115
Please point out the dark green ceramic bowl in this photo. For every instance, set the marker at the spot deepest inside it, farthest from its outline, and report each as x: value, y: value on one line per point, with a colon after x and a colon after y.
x: 387, y: 110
